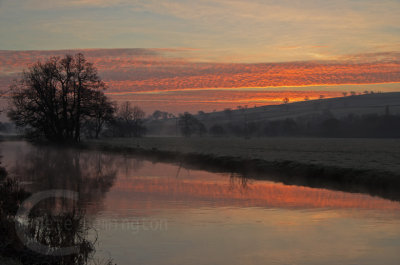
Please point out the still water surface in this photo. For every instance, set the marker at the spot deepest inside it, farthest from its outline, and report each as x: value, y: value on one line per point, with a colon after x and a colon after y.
x: 156, y: 213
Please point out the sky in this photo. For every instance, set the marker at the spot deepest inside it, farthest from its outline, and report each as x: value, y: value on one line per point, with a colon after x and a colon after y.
x: 201, y: 54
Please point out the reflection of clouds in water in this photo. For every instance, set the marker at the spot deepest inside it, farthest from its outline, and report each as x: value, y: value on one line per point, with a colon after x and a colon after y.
x: 96, y: 174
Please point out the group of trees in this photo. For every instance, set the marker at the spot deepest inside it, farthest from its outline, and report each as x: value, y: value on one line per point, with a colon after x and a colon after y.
x: 322, y: 125
x: 62, y: 99
x: 55, y: 98
x: 128, y: 122
x: 161, y: 115
x: 190, y: 125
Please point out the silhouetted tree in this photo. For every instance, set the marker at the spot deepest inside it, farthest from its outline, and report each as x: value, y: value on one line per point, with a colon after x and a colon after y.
x: 129, y: 121
x: 101, y: 113
x: 156, y: 115
x: 189, y: 125
x: 54, y: 98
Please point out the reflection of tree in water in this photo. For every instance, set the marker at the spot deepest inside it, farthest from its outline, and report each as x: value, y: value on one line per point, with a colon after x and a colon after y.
x: 238, y: 181
x: 128, y: 164
x: 91, y: 174
x: 60, y: 231
x: 54, y: 222
x: 69, y: 228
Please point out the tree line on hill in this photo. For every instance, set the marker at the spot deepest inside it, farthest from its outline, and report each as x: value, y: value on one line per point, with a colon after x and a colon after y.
x: 322, y: 125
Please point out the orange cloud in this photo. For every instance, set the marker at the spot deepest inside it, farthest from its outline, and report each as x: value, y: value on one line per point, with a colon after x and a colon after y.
x: 158, y: 69
x: 172, y: 70
x: 209, y: 100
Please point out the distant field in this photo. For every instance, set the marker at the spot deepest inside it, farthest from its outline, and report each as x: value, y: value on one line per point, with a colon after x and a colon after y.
x: 370, y: 154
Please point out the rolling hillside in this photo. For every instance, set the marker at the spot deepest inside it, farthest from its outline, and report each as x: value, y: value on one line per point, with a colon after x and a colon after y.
x: 379, y: 103
x: 360, y: 104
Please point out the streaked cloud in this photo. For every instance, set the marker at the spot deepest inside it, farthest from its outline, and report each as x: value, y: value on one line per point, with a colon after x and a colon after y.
x: 173, y: 69
x: 172, y: 78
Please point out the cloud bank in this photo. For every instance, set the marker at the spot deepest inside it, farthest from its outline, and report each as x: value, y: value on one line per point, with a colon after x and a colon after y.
x: 138, y: 70
x: 161, y: 75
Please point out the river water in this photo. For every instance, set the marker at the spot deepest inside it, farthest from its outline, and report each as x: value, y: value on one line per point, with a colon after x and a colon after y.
x: 143, y: 212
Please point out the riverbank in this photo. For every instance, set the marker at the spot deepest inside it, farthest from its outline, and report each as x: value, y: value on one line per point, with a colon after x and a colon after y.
x: 355, y: 165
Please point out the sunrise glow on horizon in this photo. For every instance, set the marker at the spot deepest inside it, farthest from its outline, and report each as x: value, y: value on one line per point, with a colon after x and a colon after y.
x: 210, y: 55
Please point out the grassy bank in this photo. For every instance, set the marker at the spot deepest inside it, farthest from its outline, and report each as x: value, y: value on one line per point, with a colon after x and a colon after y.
x: 356, y: 165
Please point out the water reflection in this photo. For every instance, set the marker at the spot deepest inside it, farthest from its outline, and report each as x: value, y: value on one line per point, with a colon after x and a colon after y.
x: 53, y: 223
x: 43, y: 227
x: 154, y: 213
x: 91, y: 175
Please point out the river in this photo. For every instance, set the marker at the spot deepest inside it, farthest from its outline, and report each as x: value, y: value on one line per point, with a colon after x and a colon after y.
x: 155, y: 213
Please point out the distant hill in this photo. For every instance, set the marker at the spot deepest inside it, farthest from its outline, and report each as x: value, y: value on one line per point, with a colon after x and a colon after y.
x: 359, y: 104
x: 378, y: 103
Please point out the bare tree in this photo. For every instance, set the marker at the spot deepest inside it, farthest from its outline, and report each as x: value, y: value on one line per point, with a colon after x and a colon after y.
x: 129, y: 121
x: 285, y: 100
x: 101, y: 113
x: 52, y: 99
x: 189, y: 125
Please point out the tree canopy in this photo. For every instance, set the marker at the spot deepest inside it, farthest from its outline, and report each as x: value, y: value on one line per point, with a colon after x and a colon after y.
x: 56, y: 98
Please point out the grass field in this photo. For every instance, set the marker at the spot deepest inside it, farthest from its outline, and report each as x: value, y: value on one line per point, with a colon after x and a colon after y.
x: 365, y: 154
